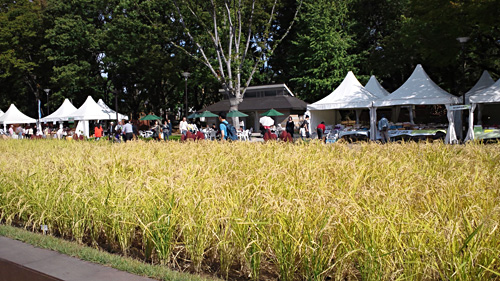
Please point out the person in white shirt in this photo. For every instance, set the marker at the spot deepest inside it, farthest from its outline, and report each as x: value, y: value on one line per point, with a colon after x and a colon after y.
x: 183, y: 126
x: 128, y: 131
x: 60, y: 132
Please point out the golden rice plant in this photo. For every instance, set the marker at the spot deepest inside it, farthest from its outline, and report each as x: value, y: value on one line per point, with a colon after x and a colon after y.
x: 304, y: 211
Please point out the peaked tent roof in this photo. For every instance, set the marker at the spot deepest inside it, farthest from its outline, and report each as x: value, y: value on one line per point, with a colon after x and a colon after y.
x: 418, y: 89
x: 14, y: 116
x: 111, y: 111
x: 1, y: 112
x: 489, y: 95
x: 349, y: 94
x: 61, y: 114
x: 374, y: 87
x: 484, y: 82
x: 90, y: 110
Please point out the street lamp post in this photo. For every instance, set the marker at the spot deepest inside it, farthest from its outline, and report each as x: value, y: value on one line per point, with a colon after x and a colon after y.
x: 186, y: 74
x: 47, y: 92
x: 462, y: 41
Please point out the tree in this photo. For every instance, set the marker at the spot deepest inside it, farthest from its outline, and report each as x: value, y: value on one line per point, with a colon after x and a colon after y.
x: 232, y: 38
x: 74, y: 48
x: 321, y: 53
x: 23, y: 68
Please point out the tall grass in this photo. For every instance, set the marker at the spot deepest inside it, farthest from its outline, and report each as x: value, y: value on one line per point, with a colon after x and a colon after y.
x: 412, y: 211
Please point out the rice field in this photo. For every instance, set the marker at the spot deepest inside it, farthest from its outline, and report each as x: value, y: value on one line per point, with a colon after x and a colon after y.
x: 251, y: 211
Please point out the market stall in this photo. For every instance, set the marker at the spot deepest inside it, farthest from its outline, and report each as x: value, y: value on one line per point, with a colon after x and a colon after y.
x: 350, y: 94
x: 89, y: 110
x: 489, y: 98
x: 14, y: 116
x: 419, y: 89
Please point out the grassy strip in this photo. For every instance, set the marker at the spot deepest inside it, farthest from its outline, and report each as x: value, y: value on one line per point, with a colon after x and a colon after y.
x: 96, y: 256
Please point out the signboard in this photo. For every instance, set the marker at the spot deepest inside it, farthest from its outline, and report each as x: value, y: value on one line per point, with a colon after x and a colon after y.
x: 460, y: 107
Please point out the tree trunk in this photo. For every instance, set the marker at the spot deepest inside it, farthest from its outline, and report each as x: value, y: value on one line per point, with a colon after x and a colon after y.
x: 234, y: 103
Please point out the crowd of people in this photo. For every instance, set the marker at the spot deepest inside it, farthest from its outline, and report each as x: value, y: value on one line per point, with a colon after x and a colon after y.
x: 124, y: 131
x: 31, y: 132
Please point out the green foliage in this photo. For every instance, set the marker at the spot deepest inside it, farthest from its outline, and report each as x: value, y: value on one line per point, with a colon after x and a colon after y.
x: 68, y: 46
x: 22, y: 64
x: 322, y: 48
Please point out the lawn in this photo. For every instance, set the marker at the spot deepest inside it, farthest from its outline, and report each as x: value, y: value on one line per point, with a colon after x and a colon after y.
x: 306, y: 211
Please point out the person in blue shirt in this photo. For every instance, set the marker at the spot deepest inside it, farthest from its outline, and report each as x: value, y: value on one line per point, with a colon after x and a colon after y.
x: 222, y: 126
x: 383, y: 127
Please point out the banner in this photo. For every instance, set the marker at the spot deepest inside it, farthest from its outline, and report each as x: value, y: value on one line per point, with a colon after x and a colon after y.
x: 460, y: 107
x: 39, y: 112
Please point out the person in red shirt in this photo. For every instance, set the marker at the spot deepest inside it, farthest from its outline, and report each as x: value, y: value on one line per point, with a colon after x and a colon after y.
x: 321, y: 130
x: 98, y: 132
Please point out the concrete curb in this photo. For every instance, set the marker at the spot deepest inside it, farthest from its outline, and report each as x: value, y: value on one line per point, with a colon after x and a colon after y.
x: 21, y: 261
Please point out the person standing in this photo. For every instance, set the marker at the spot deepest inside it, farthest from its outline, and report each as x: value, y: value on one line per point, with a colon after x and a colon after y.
x: 135, y: 131
x: 290, y: 126
x: 60, y: 132
x: 11, y: 130
x: 321, y: 130
x: 223, y: 126
x: 128, y: 131
x: 119, y: 130
x: 30, y: 132
x: 307, y: 126
x: 111, y: 131
x: 383, y: 127
x: 166, y: 129
x: 97, y: 131
x: 183, y: 126
x: 19, y: 132
x: 156, y: 131
x: 169, y: 129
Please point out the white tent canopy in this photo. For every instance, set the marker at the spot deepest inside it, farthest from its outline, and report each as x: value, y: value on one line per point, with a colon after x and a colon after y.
x: 350, y: 94
x: 1, y: 112
x: 14, y: 116
x: 488, y: 95
x: 484, y: 82
x: 374, y: 87
x: 101, y: 103
x: 61, y: 114
x: 419, y: 89
x: 90, y: 110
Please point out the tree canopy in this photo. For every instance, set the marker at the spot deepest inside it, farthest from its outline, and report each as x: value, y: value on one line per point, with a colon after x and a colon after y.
x: 137, y: 49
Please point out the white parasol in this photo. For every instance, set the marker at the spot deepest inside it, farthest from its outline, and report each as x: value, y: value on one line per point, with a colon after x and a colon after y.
x: 266, y: 121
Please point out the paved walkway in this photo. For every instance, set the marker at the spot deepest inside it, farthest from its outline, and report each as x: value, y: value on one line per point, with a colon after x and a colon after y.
x: 21, y: 261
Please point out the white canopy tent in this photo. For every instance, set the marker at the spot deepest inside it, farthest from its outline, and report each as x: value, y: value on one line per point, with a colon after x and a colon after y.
x: 14, y: 116
x: 419, y: 89
x: 350, y: 94
x: 89, y: 110
x: 61, y: 114
x: 483, y: 83
x: 488, y: 95
x: 101, y: 103
x: 374, y: 87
